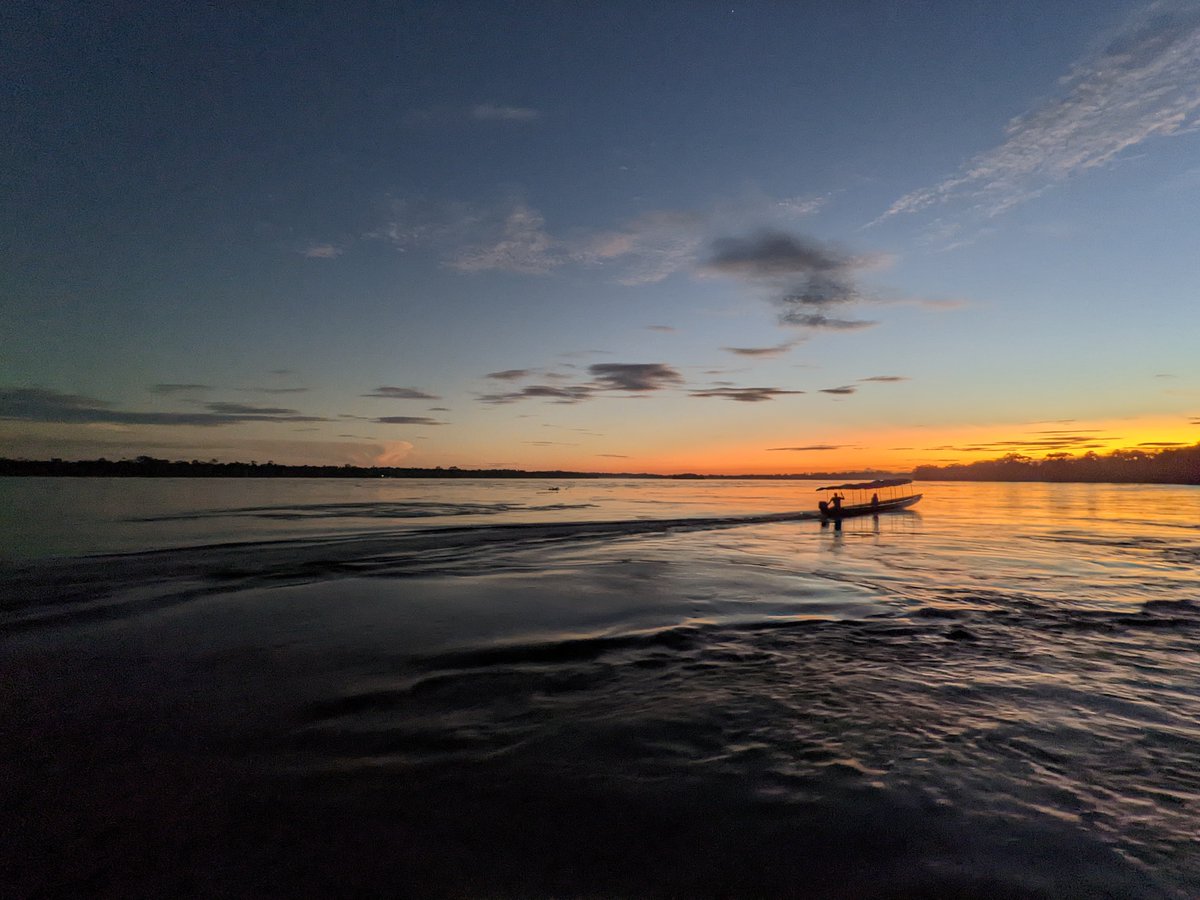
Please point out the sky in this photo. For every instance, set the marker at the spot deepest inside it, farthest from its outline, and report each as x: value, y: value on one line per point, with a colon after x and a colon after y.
x: 629, y: 237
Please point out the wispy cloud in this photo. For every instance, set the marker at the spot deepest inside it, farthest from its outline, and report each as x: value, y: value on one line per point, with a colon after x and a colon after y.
x: 169, y: 389
x: 242, y: 409
x: 574, y: 394
x: 797, y: 207
x: 764, y: 352
x: 1145, y: 83
x: 511, y: 235
x: 666, y: 329
x: 492, y: 112
x: 805, y: 277
x: 842, y: 391
x: 510, y: 374
x: 42, y: 405
x: 648, y: 248
x: 522, y: 246
x: 829, y: 323
x: 1084, y: 439
x: 258, y: 389
x: 745, y: 394
x: 322, y: 251
x: 400, y: 393
x: 886, y: 378
x: 406, y: 420
x: 810, y: 447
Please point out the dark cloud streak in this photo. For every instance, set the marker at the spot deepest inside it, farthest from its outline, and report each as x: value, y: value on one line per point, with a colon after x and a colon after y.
x: 745, y: 394
x: 400, y: 393
x: 40, y: 405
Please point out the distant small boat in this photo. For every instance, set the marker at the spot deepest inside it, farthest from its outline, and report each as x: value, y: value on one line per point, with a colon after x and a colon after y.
x: 893, y: 498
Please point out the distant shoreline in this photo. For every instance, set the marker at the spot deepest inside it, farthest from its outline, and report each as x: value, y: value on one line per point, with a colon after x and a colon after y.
x: 148, y: 467
x: 1168, y: 466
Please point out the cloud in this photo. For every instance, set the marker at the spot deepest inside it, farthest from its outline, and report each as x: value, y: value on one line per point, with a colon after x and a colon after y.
x: 180, y: 388
x: 322, y: 251
x: 406, y: 420
x: 241, y: 409
x: 844, y: 389
x: 491, y: 112
x: 400, y: 393
x: 1083, y: 439
x: 512, y: 236
x: 795, y: 207
x: 275, y: 390
x: 763, y: 352
x: 522, y: 246
x: 1145, y: 83
x: 805, y: 277
x: 41, y: 405
x: 744, y: 395
x: 574, y: 394
x: 666, y: 329
x: 634, y: 376
x: 650, y: 247
x: 774, y: 254
x: 886, y: 378
x: 439, y: 409
x: 819, y: 320
x: 614, y: 455
x: 810, y: 447
x: 510, y: 374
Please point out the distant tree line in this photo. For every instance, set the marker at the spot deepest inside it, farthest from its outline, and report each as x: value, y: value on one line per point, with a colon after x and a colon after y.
x: 149, y: 467
x: 1176, y: 465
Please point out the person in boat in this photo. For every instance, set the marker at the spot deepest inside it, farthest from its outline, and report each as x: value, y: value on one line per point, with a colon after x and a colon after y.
x: 836, y: 501
x: 874, y: 501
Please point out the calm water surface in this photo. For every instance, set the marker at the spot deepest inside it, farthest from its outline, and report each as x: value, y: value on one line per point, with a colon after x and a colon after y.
x: 597, y: 688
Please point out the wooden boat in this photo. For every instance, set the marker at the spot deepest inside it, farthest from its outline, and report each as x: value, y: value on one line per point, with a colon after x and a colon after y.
x: 892, y: 498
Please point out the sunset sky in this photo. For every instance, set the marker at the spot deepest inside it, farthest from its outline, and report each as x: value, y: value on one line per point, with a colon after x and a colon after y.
x: 766, y: 237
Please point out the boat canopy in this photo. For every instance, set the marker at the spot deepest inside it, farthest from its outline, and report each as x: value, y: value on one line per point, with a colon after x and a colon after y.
x: 868, y: 485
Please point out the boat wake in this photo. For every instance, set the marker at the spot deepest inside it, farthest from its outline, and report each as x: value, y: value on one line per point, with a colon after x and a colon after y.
x: 45, y: 592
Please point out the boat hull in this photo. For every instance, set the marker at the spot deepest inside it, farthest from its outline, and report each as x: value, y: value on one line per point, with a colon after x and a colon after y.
x: 868, y: 509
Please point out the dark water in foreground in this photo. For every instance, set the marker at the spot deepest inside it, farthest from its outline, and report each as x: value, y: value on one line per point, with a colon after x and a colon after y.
x: 609, y: 690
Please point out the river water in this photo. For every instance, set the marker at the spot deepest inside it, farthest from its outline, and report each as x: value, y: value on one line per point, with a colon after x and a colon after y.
x: 606, y: 688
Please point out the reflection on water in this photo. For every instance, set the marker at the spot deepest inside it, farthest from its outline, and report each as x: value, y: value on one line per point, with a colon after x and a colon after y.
x: 614, y: 689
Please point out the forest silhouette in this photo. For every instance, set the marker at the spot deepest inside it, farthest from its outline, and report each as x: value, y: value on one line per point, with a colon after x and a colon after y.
x: 1173, y: 465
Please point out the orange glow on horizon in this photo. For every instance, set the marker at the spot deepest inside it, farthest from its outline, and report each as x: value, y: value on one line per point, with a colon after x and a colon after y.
x: 902, y: 449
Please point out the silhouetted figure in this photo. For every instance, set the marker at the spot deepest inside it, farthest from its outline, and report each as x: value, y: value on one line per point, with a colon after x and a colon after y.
x: 836, y: 501
x: 874, y: 501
